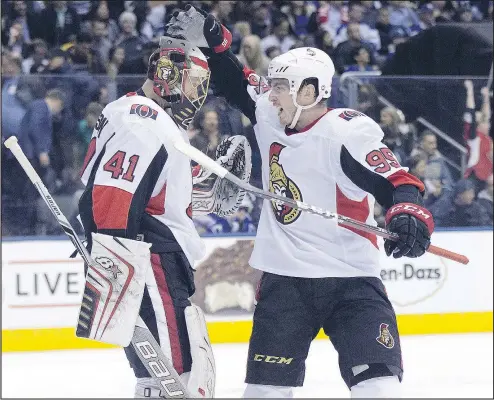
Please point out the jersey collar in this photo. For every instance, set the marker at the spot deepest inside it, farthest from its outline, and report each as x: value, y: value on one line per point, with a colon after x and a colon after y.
x: 139, y: 92
x: 290, y: 132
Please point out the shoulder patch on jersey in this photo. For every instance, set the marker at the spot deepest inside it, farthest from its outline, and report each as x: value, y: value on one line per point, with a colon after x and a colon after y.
x: 143, y: 111
x: 347, y: 115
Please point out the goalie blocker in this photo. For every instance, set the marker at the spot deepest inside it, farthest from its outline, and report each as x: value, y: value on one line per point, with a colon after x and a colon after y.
x: 129, y: 281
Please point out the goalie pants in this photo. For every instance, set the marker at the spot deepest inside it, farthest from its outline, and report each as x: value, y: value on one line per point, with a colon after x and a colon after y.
x: 168, y: 288
x: 354, y: 312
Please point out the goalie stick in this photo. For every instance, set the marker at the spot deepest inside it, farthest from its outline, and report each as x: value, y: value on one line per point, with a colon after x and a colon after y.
x: 146, y: 347
x: 208, y: 163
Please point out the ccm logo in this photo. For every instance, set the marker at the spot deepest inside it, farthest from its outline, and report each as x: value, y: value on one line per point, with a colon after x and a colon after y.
x: 272, y: 359
x: 410, y: 208
x: 158, y: 367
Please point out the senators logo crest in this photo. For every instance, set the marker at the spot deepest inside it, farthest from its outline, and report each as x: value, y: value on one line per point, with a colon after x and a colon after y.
x: 167, y: 71
x: 282, y: 185
x: 385, y: 337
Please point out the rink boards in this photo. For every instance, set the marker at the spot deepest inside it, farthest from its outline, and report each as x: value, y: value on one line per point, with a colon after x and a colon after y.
x: 42, y: 287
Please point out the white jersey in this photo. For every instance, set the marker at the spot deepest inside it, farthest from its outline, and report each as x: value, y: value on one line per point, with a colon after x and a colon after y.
x: 338, y: 163
x: 137, y: 183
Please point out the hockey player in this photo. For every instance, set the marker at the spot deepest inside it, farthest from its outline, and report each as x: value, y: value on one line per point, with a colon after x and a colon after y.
x: 139, y: 188
x: 316, y: 274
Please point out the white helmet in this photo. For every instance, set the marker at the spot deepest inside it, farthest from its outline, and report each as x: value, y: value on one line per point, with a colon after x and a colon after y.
x: 300, y: 64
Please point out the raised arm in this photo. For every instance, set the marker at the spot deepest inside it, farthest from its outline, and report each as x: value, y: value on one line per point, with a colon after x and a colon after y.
x: 239, y: 85
x: 229, y: 78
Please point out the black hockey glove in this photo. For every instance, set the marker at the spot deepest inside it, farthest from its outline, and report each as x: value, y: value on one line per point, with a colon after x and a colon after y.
x: 414, y: 225
x: 200, y: 28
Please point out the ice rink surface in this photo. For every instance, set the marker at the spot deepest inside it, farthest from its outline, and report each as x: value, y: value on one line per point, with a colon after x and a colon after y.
x: 447, y: 366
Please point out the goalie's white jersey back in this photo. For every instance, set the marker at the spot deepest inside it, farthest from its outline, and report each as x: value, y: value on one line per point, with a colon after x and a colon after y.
x: 337, y: 163
x: 136, y: 181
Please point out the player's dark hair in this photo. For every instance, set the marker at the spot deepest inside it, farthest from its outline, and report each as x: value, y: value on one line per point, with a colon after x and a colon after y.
x: 311, y: 81
x: 315, y: 83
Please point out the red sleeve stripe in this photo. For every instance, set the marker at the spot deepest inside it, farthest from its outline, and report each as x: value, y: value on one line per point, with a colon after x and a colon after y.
x: 111, y: 207
x: 404, y: 178
x: 358, y: 210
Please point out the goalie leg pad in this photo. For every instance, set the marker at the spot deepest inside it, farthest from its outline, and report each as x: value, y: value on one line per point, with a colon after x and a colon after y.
x: 113, y: 290
x: 202, y: 378
x: 169, y: 285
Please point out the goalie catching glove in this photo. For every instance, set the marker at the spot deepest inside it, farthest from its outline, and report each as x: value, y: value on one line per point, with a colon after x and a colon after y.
x: 212, y: 194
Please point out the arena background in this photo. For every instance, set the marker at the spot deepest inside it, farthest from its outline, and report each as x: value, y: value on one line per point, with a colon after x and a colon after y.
x: 408, y: 68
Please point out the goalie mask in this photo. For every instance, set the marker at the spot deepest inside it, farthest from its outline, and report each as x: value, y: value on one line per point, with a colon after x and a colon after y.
x: 180, y: 76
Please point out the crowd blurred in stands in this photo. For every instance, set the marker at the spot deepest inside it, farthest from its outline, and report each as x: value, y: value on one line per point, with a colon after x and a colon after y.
x: 63, y: 61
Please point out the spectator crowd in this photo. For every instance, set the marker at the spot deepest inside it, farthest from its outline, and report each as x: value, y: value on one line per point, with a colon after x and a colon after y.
x: 63, y: 61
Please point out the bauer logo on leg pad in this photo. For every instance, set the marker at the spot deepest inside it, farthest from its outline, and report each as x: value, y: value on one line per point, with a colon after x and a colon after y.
x: 114, y: 288
x: 385, y: 337
x: 168, y: 379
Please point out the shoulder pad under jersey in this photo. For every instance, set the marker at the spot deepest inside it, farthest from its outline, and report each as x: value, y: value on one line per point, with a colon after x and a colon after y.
x: 354, y: 124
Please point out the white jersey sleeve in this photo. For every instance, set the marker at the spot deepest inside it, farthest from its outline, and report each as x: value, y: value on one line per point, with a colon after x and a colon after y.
x: 239, y: 85
x: 365, y: 159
